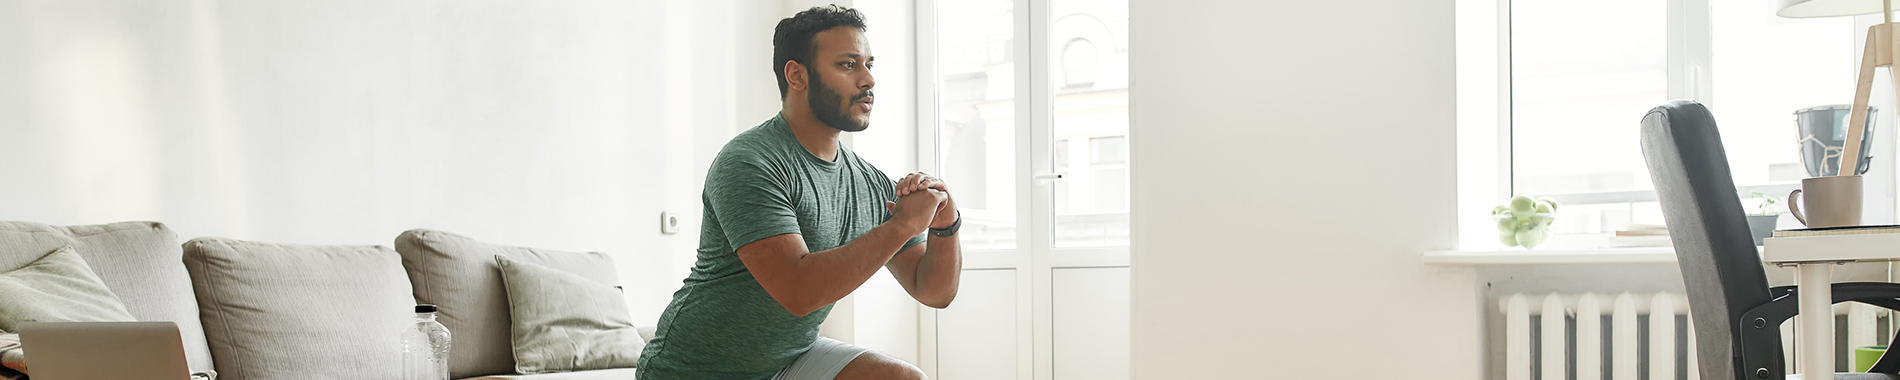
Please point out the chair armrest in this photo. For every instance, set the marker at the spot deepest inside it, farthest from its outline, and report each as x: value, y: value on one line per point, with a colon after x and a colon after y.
x: 1786, y: 302
x: 1762, y: 324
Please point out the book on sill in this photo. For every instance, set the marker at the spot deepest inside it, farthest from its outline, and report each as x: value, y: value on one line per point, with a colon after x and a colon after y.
x: 1640, y: 235
x: 1840, y: 231
x: 1643, y: 230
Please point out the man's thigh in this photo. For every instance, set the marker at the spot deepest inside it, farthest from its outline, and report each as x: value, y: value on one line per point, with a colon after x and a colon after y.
x: 833, y: 360
x: 877, y: 366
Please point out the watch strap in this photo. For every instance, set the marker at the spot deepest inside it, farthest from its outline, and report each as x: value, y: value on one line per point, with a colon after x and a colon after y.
x: 951, y: 230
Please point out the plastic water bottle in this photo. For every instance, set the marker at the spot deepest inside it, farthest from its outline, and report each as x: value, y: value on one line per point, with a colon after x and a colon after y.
x: 425, y: 347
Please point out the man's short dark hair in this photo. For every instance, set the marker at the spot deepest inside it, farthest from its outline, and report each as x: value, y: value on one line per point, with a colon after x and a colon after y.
x: 792, y: 41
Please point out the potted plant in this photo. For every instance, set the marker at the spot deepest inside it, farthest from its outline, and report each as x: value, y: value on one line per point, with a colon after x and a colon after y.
x: 1761, y: 224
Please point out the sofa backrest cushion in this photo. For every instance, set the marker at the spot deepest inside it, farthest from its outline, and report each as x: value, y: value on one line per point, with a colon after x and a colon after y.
x: 460, y: 277
x: 138, y: 261
x: 288, y: 311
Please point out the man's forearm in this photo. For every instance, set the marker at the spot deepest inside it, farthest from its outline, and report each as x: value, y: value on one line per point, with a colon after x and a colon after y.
x: 939, y: 271
x: 829, y: 275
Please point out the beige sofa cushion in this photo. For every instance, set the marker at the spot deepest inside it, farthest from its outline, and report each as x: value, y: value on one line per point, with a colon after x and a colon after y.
x: 286, y: 311
x: 460, y: 277
x: 138, y: 261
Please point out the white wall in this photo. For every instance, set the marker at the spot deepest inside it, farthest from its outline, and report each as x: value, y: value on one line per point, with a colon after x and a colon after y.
x: 549, y: 124
x: 1291, y: 162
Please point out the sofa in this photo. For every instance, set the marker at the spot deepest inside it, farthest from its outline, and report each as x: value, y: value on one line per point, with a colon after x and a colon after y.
x: 262, y: 311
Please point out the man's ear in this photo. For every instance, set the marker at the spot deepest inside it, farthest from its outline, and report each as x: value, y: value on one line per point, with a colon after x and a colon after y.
x: 795, y: 76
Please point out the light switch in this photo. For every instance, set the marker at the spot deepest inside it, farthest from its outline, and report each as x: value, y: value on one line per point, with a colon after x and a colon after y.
x: 669, y: 223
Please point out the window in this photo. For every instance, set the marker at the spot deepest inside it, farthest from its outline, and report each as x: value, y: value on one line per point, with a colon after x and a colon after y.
x: 976, y: 111
x: 978, y: 120
x: 1090, y: 117
x: 1576, y: 90
x: 1567, y: 90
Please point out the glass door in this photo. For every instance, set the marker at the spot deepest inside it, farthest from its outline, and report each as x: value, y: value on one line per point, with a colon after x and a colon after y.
x: 1030, y: 102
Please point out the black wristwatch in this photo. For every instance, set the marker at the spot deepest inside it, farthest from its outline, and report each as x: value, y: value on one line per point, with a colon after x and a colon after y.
x: 951, y: 230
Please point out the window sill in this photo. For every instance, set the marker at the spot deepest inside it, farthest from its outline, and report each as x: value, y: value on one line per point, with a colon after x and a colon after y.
x: 1552, y: 256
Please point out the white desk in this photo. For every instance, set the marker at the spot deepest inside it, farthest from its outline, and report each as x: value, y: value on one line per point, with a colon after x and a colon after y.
x: 1815, y: 258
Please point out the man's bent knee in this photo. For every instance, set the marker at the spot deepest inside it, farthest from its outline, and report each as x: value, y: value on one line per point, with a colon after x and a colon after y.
x: 878, y: 366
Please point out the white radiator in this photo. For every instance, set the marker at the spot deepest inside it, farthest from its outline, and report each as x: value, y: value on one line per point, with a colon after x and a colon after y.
x: 1568, y: 342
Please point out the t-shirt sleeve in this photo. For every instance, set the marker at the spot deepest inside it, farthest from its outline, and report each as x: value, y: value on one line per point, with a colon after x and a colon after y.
x: 751, y: 202
x: 914, y: 241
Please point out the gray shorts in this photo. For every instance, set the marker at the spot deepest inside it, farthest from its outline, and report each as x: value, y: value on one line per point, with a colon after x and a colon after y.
x: 822, y: 362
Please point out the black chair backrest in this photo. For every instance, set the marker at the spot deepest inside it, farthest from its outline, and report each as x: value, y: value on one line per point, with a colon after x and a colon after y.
x: 1720, y: 267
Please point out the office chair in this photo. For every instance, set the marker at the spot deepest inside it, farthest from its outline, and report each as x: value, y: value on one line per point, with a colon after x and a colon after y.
x: 1737, y: 315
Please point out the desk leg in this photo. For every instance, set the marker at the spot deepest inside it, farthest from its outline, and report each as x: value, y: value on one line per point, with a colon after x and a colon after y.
x: 1817, y: 321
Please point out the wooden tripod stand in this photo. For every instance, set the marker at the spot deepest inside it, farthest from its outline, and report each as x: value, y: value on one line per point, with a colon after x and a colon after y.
x: 1879, y: 51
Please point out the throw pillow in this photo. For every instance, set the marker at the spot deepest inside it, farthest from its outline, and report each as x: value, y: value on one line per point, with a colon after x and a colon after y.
x: 565, y: 322
x: 59, y: 287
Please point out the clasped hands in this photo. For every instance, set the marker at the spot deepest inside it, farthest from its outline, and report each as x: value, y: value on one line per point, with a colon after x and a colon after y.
x: 923, y: 202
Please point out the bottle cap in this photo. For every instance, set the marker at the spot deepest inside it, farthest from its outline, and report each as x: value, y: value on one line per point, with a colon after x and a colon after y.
x: 425, y: 308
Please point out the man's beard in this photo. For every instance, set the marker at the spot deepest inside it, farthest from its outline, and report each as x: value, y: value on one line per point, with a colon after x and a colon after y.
x: 825, y: 105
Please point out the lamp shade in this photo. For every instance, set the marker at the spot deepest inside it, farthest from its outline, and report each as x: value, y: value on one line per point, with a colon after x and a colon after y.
x: 1826, y: 8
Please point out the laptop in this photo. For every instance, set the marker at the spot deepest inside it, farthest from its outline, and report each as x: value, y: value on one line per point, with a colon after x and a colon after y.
x: 104, y: 350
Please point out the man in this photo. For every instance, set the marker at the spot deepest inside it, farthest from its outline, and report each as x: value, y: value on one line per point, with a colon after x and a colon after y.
x: 794, y: 222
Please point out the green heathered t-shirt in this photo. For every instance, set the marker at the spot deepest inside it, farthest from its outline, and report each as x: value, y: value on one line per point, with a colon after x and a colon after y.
x: 722, y: 324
